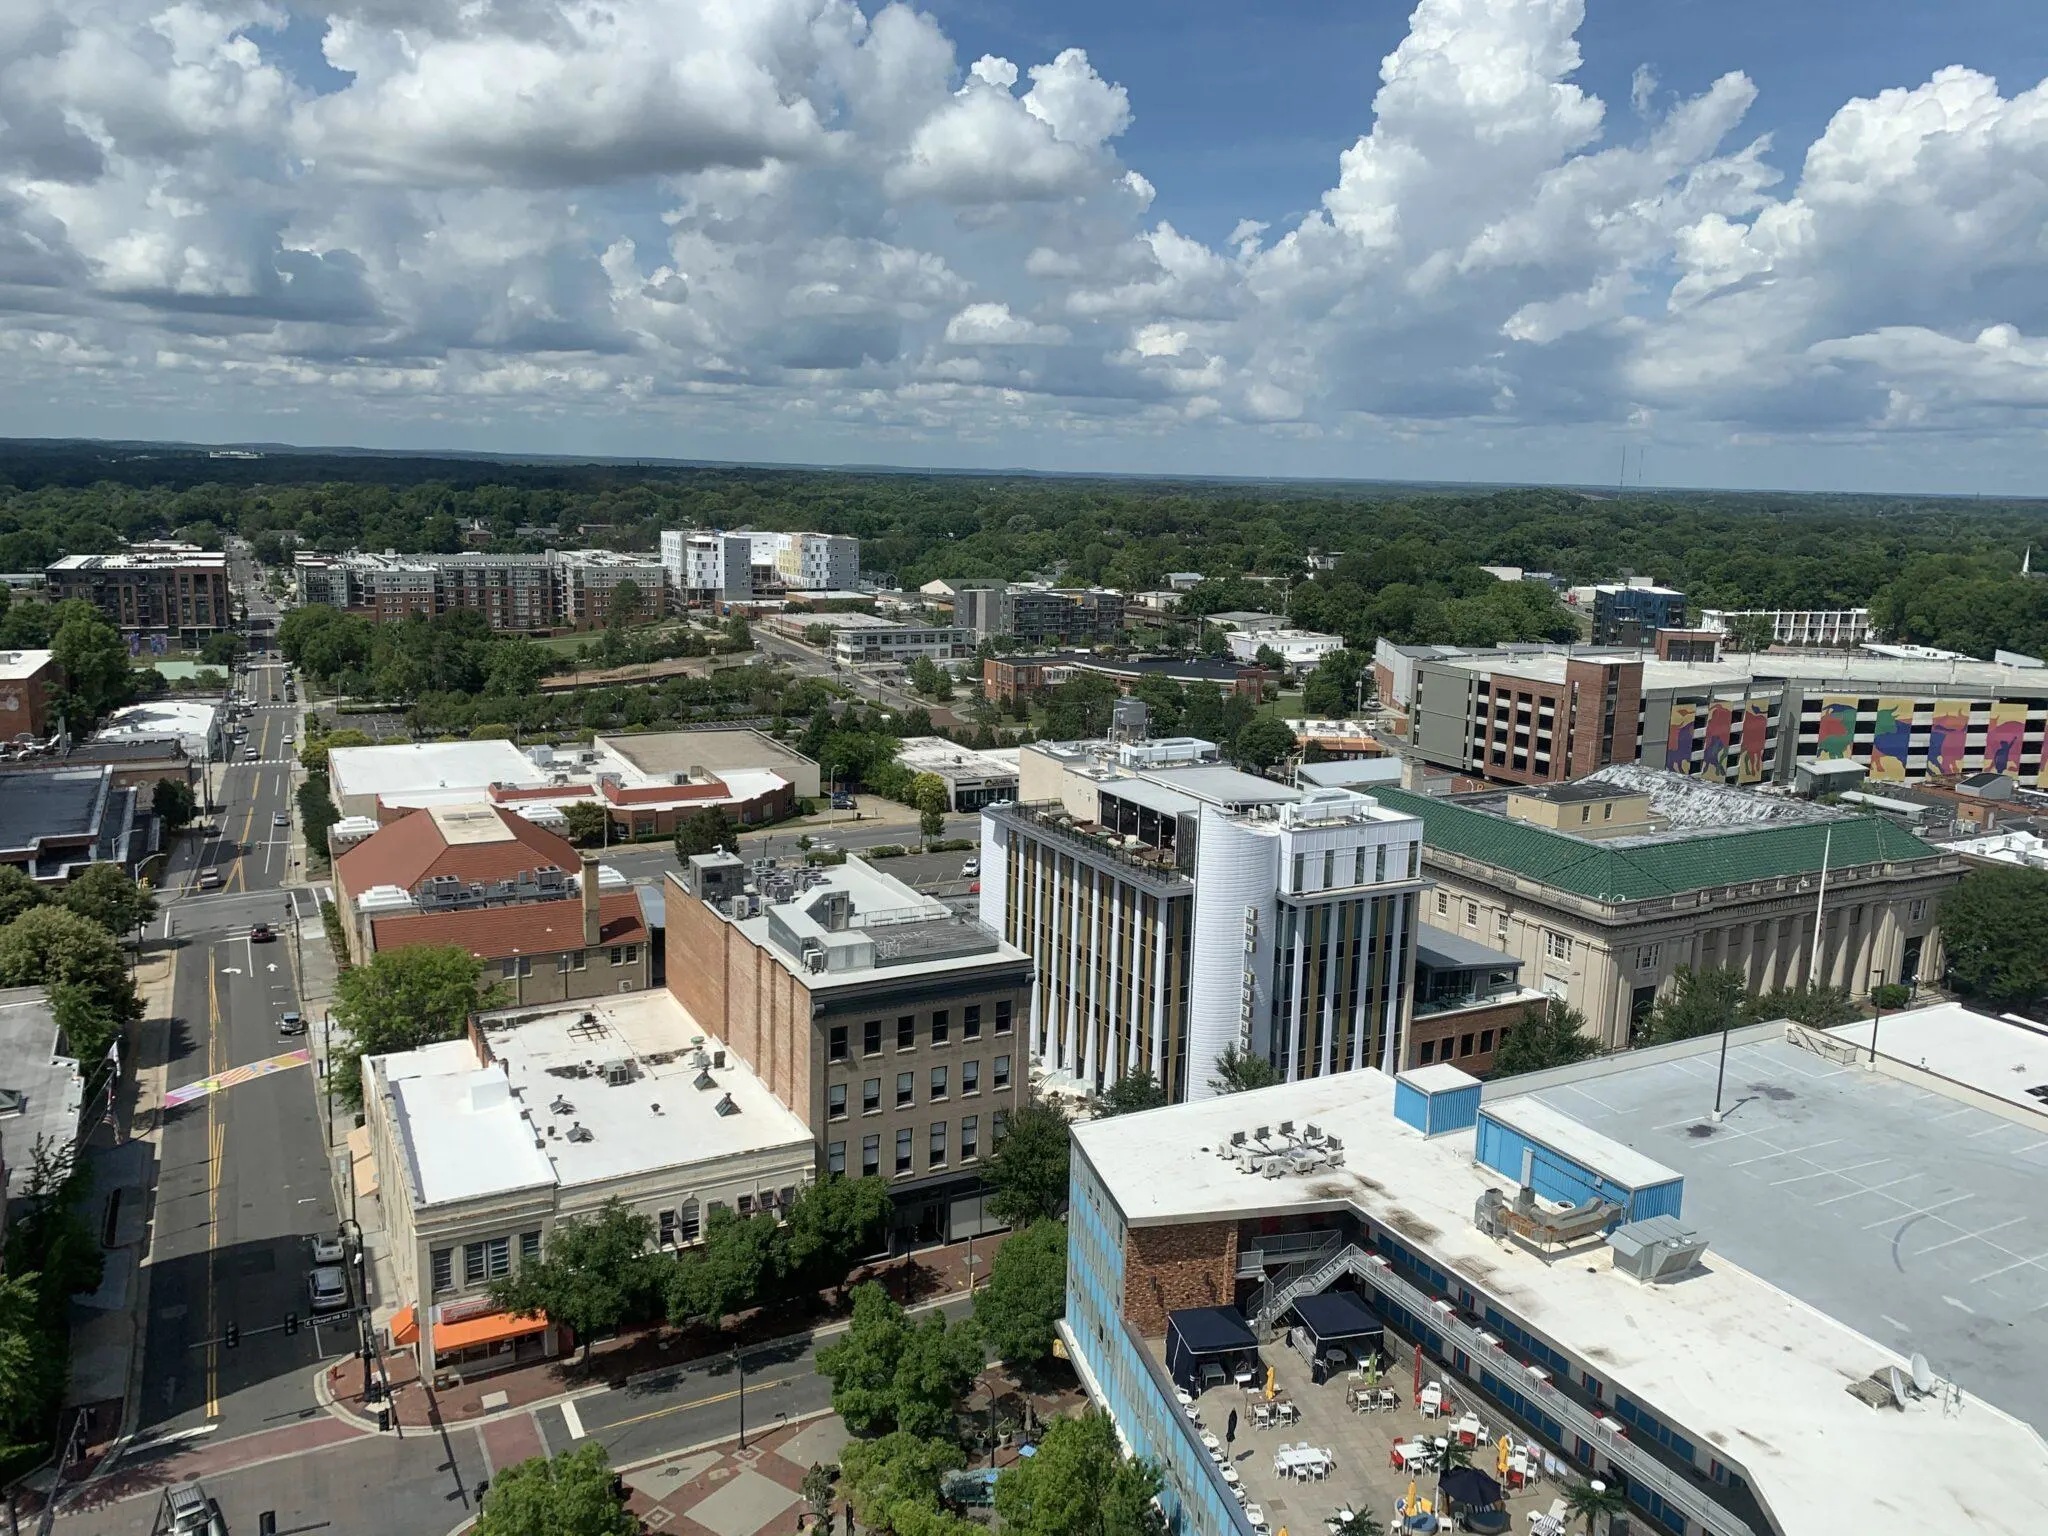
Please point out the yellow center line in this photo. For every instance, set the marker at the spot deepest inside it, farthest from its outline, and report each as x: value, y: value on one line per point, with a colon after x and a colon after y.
x: 241, y: 879
x: 699, y: 1402
x: 215, y: 1135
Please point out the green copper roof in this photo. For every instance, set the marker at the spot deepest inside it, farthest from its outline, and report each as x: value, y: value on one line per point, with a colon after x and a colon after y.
x: 1605, y: 872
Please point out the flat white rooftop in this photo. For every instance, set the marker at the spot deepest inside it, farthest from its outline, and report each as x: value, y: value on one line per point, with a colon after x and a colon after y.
x: 18, y: 666
x: 1806, y: 669
x: 935, y: 754
x: 413, y: 767
x: 1732, y: 1359
x: 2004, y: 1057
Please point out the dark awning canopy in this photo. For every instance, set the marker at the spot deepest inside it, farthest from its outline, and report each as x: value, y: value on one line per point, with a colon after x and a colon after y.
x: 1337, y: 1317
x: 1196, y: 1334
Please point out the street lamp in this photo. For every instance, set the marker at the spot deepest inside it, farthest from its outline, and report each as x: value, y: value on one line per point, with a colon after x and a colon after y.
x: 739, y: 1363
x: 1877, y: 1002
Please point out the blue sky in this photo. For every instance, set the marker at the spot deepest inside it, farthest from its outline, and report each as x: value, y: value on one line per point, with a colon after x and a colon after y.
x: 786, y: 230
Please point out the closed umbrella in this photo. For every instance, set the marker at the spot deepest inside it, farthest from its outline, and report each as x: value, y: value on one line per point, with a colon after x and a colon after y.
x: 1269, y: 1383
x: 1504, y: 1453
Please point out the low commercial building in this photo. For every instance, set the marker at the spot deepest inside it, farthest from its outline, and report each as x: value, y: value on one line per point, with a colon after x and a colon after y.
x: 406, y: 775
x: 1007, y: 678
x: 42, y: 1092
x: 862, y: 639
x: 1605, y: 892
x: 1177, y: 909
x: 178, y: 592
x: 723, y: 753
x: 1244, y: 622
x: 972, y: 779
x: 197, y: 725
x: 481, y: 1146
x: 29, y: 683
x: 56, y: 822
x: 888, y: 1024
x: 1468, y: 996
x: 1339, y: 740
x: 1830, y: 629
x: 1296, y: 648
x: 1684, y: 1304
x: 137, y: 762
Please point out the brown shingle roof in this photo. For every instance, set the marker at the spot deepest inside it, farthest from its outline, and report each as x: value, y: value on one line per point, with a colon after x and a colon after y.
x: 531, y: 928
x: 412, y: 849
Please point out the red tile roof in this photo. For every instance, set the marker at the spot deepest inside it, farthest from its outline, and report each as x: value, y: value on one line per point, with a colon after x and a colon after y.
x: 411, y: 849
x: 531, y: 928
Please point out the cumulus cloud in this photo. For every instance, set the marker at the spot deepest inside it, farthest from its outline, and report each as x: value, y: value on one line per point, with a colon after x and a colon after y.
x: 695, y: 214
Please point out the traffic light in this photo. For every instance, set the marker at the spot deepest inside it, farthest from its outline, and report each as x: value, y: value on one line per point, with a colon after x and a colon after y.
x: 234, y: 1338
x: 483, y: 1487
x: 291, y: 1322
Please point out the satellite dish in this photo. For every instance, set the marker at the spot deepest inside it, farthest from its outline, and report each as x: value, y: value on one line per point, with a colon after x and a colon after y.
x: 1897, y: 1384
x: 1923, y: 1374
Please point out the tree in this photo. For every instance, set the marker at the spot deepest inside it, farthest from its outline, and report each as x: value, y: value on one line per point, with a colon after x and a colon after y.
x: 595, y: 1273
x: 94, y: 660
x: 1080, y: 1484
x: 705, y: 831
x: 1027, y: 1170
x: 1587, y: 1502
x: 625, y: 605
x: 1238, y: 1070
x: 1331, y: 691
x: 731, y: 1270
x: 937, y: 1362
x: 1440, y: 1459
x: 1749, y: 632
x: 317, y: 813
x: 572, y: 1494
x: 1701, y: 1002
x: 174, y: 804
x: 80, y: 964
x: 834, y: 1223
x: 583, y: 821
x: 1547, y: 1035
x: 895, y: 1476
x: 1816, y: 1007
x: 1265, y: 656
x: 1994, y: 928
x: 404, y: 999
x: 861, y: 1362
x: 1360, y: 1524
x: 20, y: 1341
x: 1261, y: 743
x: 222, y: 649
x: 108, y: 895
x: 313, y: 754
x: 929, y: 794
x: 737, y: 635
x: 18, y: 893
x: 1129, y: 1094
x: 1026, y: 1293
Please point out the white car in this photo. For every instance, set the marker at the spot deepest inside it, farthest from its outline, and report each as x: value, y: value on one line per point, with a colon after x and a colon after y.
x: 327, y: 1288
x: 970, y: 869
x: 327, y: 1250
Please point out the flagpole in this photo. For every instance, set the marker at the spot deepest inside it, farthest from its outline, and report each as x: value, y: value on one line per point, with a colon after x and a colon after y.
x: 1819, y: 911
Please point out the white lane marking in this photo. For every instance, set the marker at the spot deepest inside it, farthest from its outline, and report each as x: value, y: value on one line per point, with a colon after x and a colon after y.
x: 573, y: 1419
x: 1872, y: 1189
x: 1927, y: 1210
x: 1960, y: 1306
x: 1965, y: 1237
x: 1830, y: 1173
x: 1894, y: 1322
x: 2016, y: 1264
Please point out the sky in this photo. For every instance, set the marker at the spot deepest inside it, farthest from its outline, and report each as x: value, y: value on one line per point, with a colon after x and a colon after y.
x: 1737, y: 243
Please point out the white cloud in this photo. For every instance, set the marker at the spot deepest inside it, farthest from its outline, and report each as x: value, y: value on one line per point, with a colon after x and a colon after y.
x: 700, y: 216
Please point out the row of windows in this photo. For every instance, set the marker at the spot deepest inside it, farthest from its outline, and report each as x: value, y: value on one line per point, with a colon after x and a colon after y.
x: 1440, y: 1050
x: 839, y: 1039
x: 906, y: 1087
x: 522, y: 965
x: 482, y: 1262
x: 936, y: 1150
x: 1647, y: 1423
x: 1355, y: 865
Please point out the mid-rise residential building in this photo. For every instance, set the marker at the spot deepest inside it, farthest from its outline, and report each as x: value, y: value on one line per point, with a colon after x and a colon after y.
x: 1177, y: 909
x: 972, y: 778
x: 709, y: 567
x: 547, y: 924
x: 1604, y: 888
x: 1830, y: 629
x: 176, y: 591
x: 1682, y: 1300
x: 1295, y: 647
x: 476, y: 1149
x: 891, y: 1026
x: 1547, y: 714
x: 531, y: 593
x: 1630, y: 613
x: 29, y: 683
x: 1047, y: 616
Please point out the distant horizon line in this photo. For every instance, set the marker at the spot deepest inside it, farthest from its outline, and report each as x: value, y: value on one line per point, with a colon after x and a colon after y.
x: 1592, y: 490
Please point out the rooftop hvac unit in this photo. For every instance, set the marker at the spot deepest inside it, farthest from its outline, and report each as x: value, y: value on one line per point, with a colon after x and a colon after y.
x: 619, y: 1073
x: 1656, y: 1248
x: 581, y: 1132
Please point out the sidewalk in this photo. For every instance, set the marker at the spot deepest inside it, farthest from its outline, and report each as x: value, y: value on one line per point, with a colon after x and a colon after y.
x: 919, y: 1281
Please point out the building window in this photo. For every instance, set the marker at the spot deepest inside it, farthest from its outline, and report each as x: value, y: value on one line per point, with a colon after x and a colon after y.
x: 668, y: 1229
x: 970, y: 1078
x: 444, y: 1270
x: 871, y: 1096
x: 970, y: 1138
x: 936, y: 1158
x: 906, y: 1032
x: 488, y: 1260
x: 970, y: 1022
x: 688, y: 1223
x: 746, y: 1205
x: 1500, y: 922
x: 1485, y: 1040
x: 870, y: 1156
x: 903, y: 1150
x: 1300, y: 870
x: 871, y: 1038
x: 1557, y: 946
x: 1464, y: 1045
x: 938, y: 1088
x: 1380, y: 863
x: 1329, y: 869
x: 518, y: 965
x: 835, y: 1102
x: 941, y: 1025
x: 905, y: 1092
x: 1003, y: 1017
x: 1443, y: 904
x: 1471, y: 914
x: 1427, y: 1053
x: 1414, y: 860
x: 1915, y: 911
x: 835, y: 1157
x: 1001, y: 1073
x: 839, y: 1045
x: 1647, y: 956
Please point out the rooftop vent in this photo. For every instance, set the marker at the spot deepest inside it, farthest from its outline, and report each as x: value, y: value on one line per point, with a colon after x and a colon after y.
x: 581, y: 1132
x: 562, y: 1106
x: 655, y: 1107
x: 705, y: 1080
x: 725, y: 1106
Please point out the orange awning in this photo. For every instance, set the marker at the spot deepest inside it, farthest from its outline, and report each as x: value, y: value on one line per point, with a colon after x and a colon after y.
x: 405, y: 1326
x: 487, y: 1329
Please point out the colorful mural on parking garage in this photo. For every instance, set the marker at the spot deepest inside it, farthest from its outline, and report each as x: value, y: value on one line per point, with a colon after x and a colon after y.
x: 2002, y: 738
x: 1678, y: 743
x: 1731, y: 734
x: 1891, y: 740
x: 1949, y: 738
x: 1837, y: 732
x: 1756, y: 730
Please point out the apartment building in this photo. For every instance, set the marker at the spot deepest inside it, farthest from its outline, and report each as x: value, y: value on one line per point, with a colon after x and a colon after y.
x: 1176, y: 908
x: 709, y: 567
x: 1604, y: 888
x: 891, y: 1027
x: 176, y: 591
x: 536, y: 593
x: 1828, y: 629
x: 476, y: 1149
x: 1630, y: 613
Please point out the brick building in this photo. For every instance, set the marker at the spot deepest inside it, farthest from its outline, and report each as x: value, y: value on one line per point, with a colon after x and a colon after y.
x: 28, y: 681
x: 178, y: 591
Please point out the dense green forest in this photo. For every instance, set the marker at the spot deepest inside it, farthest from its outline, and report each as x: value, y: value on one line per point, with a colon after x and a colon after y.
x: 1937, y: 571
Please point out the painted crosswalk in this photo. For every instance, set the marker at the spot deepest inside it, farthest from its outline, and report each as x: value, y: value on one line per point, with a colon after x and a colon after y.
x: 221, y: 1081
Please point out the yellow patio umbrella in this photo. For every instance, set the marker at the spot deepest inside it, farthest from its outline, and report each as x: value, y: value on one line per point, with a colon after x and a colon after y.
x: 1269, y: 1383
x: 1408, y: 1504
x: 1504, y: 1452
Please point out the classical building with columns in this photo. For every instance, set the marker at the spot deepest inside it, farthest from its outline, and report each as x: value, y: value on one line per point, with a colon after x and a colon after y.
x: 1604, y: 887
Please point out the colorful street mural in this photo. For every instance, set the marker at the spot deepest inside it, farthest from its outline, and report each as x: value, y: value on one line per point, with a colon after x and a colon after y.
x: 1720, y: 731
x: 1678, y: 745
x: 1891, y: 740
x: 1837, y: 728
x: 2002, y: 739
x: 1950, y: 738
x: 1756, y: 726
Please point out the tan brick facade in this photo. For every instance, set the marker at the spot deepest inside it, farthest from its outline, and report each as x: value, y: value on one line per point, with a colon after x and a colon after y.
x: 1168, y: 1268
x: 742, y: 995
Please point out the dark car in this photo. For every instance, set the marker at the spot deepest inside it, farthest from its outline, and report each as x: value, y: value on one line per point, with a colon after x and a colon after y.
x: 291, y: 1024
x: 261, y: 934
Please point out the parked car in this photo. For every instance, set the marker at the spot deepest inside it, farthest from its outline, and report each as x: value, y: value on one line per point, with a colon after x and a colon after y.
x: 845, y: 803
x: 327, y: 1288
x: 261, y: 934
x: 293, y: 1023
x: 970, y: 869
x: 280, y: 819
x: 250, y: 754
x: 327, y: 1250
x: 209, y: 879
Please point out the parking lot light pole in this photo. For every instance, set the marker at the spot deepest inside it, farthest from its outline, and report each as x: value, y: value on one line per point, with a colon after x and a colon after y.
x: 1877, y: 1002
